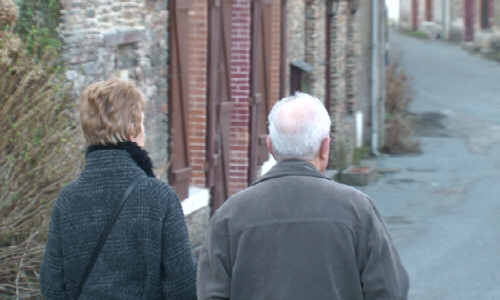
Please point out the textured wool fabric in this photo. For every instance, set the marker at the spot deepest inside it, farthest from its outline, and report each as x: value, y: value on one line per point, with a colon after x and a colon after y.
x: 147, y: 254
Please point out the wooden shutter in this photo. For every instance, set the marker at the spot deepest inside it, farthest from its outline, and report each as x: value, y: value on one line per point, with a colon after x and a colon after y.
x: 260, y: 85
x: 219, y: 101
x: 180, y: 169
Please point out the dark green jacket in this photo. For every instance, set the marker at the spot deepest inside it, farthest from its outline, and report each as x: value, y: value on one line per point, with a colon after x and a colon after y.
x: 295, y: 234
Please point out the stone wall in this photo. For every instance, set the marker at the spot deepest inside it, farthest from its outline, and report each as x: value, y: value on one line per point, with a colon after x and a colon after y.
x: 342, y: 142
x: 496, y: 14
x: 296, y: 35
x: 315, y: 45
x: 438, y: 12
x: 350, y: 65
x: 405, y: 14
x: 125, y: 39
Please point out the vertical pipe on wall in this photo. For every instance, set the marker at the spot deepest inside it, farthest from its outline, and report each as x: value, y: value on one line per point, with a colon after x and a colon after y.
x: 328, y: 50
x: 284, y: 49
x: 445, y: 11
x: 374, y: 81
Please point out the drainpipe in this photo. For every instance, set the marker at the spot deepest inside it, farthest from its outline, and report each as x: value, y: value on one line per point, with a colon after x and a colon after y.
x: 446, y: 19
x: 374, y: 81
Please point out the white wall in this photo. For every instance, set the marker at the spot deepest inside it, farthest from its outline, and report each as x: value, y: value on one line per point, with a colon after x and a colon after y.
x: 393, y: 8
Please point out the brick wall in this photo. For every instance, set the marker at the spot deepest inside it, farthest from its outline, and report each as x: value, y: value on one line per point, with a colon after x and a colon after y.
x: 125, y: 39
x: 198, y: 91
x: 276, y: 50
x: 240, y: 85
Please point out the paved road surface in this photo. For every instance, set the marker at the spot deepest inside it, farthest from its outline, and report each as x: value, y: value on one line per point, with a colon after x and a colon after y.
x: 443, y: 207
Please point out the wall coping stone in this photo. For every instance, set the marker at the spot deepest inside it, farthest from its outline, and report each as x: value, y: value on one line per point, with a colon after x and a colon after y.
x: 304, y: 66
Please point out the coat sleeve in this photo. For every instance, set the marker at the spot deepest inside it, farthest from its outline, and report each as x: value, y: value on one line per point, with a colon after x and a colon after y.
x: 214, y: 277
x: 51, y: 273
x: 179, y: 280
x: 382, y: 273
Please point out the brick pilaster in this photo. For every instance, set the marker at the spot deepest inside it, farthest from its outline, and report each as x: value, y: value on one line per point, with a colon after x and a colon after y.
x: 198, y: 91
x: 240, y: 85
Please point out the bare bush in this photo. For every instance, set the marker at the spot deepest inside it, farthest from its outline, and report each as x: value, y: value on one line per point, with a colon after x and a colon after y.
x: 38, y: 155
x: 399, y: 94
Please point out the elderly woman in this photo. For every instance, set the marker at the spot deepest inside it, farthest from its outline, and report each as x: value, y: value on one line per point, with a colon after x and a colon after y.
x: 117, y: 232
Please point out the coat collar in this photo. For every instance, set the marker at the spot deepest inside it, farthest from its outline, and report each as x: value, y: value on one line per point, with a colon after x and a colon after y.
x: 291, y: 167
x: 138, y: 154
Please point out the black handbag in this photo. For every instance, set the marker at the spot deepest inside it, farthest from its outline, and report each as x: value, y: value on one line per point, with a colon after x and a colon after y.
x: 103, y: 237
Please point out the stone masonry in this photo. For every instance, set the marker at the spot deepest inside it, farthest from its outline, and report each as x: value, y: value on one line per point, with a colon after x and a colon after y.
x: 125, y: 39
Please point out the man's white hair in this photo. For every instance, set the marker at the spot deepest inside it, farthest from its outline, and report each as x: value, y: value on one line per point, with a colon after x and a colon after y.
x: 297, y: 126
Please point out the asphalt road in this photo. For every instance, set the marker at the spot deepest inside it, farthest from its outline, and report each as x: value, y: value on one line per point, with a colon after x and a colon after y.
x: 443, y: 206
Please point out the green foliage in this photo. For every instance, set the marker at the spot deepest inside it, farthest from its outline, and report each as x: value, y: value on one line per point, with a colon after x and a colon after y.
x: 416, y: 34
x: 38, y: 155
x: 37, y: 25
x: 360, y: 154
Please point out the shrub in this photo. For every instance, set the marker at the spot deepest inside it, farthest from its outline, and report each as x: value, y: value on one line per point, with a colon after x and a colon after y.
x: 38, y: 24
x: 398, y: 137
x: 38, y: 155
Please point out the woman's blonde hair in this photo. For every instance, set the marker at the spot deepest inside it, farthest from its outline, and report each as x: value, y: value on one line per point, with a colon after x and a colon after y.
x: 111, y: 111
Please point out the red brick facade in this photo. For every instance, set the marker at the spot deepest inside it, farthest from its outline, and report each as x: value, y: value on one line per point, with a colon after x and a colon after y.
x: 198, y: 91
x: 240, y: 84
x: 240, y: 87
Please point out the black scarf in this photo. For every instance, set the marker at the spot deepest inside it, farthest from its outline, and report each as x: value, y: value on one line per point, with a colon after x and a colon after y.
x: 139, y: 155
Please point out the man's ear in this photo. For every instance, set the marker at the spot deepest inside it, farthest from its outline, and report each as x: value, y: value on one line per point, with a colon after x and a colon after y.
x: 269, y: 145
x: 324, y: 152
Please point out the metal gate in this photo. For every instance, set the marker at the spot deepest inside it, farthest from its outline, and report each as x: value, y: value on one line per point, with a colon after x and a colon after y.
x: 179, y: 174
x: 219, y: 100
x: 260, y: 84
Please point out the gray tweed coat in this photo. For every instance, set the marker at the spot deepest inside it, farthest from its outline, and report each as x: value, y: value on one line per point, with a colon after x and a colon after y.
x: 147, y: 254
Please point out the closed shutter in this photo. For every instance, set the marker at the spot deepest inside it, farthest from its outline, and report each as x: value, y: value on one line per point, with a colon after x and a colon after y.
x: 260, y: 85
x: 219, y: 101
x: 180, y: 169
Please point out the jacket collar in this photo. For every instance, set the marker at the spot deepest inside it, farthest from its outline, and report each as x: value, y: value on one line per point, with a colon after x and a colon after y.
x: 291, y: 167
x: 138, y: 155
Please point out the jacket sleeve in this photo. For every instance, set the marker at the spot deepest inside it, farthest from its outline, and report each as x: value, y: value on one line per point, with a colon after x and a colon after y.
x: 178, y: 265
x: 51, y: 273
x: 382, y: 274
x: 214, y: 277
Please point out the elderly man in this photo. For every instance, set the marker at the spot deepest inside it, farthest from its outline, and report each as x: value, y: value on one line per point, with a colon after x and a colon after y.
x: 295, y: 234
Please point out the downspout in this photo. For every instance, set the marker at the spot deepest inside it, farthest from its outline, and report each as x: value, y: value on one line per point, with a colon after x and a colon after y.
x: 328, y: 72
x: 284, y: 49
x: 374, y: 81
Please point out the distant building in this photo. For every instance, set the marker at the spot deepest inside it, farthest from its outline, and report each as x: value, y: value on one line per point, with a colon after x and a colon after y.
x: 457, y: 20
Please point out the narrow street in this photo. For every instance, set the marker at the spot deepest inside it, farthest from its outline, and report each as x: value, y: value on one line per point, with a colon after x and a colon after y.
x: 442, y: 206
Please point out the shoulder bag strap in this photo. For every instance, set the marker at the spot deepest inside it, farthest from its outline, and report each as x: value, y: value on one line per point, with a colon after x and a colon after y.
x: 103, y: 237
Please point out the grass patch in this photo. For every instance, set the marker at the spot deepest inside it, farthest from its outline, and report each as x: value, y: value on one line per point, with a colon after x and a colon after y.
x: 360, y: 154
x: 415, y: 34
